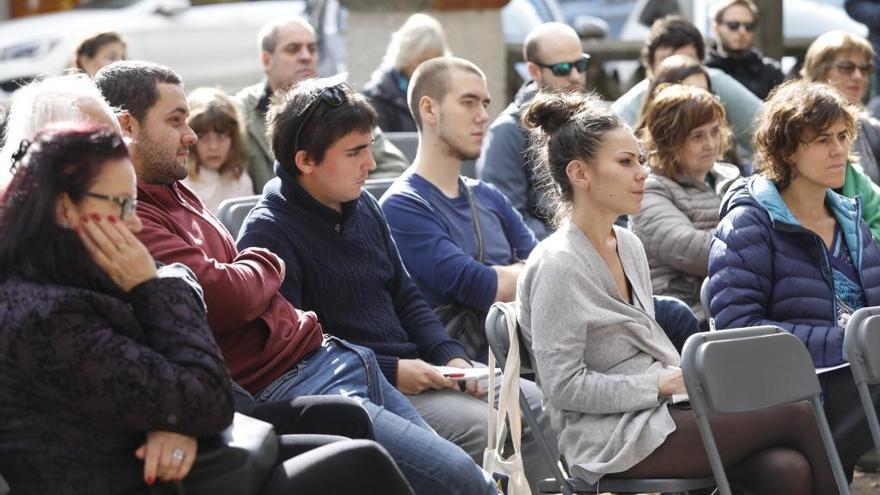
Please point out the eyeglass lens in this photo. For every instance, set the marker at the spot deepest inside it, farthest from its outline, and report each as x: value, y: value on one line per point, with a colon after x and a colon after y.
x: 735, y: 25
x: 847, y: 68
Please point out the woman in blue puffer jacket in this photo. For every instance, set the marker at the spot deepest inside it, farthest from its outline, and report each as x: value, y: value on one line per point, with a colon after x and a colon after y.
x: 791, y: 252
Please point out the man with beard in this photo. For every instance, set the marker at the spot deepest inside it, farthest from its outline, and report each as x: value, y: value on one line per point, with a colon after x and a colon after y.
x: 288, y: 55
x: 734, y: 24
x: 461, y: 240
x: 274, y: 350
x: 555, y: 62
x: 342, y: 262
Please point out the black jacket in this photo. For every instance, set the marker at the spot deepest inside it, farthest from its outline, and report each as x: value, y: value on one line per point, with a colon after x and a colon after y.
x: 390, y: 102
x: 759, y: 74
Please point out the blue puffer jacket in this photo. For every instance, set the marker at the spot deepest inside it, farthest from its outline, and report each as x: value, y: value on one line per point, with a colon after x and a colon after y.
x: 767, y: 269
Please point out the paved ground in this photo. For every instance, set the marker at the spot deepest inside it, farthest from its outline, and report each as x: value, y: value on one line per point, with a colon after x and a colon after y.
x: 864, y: 484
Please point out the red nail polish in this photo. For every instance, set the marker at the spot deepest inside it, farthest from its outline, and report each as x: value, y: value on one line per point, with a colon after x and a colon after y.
x: 150, y: 480
x: 111, y: 219
x: 96, y: 217
x: 85, y: 219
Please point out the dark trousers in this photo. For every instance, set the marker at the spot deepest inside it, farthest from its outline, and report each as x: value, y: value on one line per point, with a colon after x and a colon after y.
x: 676, y: 319
x: 840, y: 398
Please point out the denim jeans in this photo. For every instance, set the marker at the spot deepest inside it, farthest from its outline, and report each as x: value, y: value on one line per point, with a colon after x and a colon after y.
x: 430, y: 463
x: 676, y: 319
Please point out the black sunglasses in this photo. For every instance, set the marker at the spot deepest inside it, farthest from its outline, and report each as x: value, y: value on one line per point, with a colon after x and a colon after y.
x: 564, y: 68
x: 334, y: 96
x: 735, y: 25
x: 127, y: 205
x: 847, y: 68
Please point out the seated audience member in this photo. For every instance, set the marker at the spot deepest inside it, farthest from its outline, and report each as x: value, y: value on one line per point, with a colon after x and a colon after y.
x: 288, y: 55
x: 420, y: 38
x: 843, y: 61
x: 79, y: 287
x: 556, y: 62
x: 218, y: 160
x: 460, y: 239
x: 98, y: 50
x: 674, y: 35
x: 273, y: 350
x: 791, y: 252
x: 733, y: 24
x: 605, y: 365
x: 685, y: 136
x: 343, y: 264
x: 72, y: 97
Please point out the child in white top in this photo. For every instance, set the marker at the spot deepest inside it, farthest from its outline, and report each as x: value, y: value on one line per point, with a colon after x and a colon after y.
x: 217, y: 161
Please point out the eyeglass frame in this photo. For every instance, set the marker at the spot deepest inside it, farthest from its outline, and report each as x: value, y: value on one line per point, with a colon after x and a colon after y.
x: 584, y: 60
x: 324, y: 95
x: 866, y: 69
x: 127, y: 205
x: 735, y: 25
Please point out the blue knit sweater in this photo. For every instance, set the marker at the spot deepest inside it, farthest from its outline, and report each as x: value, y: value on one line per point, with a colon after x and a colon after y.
x: 345, y: 267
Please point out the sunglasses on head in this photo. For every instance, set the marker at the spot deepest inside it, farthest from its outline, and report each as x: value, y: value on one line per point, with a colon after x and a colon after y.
x: 334, y: 96
x: 564, y: 68
x: 735, y: 25
x: 847, y: 68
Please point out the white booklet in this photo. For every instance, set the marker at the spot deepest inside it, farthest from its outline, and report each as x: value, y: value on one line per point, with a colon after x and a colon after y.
x: 461, y: 374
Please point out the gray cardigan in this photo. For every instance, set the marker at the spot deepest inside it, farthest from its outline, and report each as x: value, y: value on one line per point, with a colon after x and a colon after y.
x: 675, y: 224
x: 597, y: 357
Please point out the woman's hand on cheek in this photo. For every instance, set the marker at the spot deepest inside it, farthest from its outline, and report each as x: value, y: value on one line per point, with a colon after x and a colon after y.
x: 116, y: 250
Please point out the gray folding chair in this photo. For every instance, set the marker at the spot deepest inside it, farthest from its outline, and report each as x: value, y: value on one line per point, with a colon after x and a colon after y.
x: 704, y: 297
x: 861, y: 347
x: 4, y: 487
x: 720, y: 372
x: 232, y: 212
x: 377, y: 187
x: 499, y: 343
x: 406, y: 142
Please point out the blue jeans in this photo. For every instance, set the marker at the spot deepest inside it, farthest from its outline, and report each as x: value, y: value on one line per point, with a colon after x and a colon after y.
x: 676, y: 319
x: 430, y: 463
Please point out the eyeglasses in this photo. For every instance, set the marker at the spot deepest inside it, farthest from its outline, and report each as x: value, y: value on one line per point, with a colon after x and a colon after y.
x: 847, y: 68
x: 332, y: 95
x: 735, y: 25
x: 127, y: 205
x: 564, y: 68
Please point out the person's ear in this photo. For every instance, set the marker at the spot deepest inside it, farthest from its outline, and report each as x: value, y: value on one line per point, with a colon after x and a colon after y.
x: 578, y: 174
x: 534, y: 72
x: 716, y: 29
x: 304, y: 162
x: 128, y: 124
x: 429, y: 111
x: 266, y: 60
x: 66, y: 214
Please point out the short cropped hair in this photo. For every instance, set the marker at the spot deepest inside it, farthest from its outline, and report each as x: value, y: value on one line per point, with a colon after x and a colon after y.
x: 675, y: 32
x: 324, y: 126
x: 676, y: 111
x: 822, y: 52
x: 419, y: 35
x: 132, y: 86
x: 88, y: 47
x: 718, y: 10
x: 794, y: 114
x: 267, y: 38
x: 432, y: 79
x: 211, y: 110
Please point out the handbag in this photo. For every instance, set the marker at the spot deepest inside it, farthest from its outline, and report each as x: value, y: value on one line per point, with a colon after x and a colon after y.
x: 238, y: 461
x: 508, y: 472
x: 464, y: 323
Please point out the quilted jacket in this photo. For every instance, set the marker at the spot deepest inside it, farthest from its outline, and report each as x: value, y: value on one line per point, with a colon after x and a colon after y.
x: 767, y: 269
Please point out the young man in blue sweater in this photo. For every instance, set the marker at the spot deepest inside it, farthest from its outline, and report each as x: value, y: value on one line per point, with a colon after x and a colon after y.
x: 342, y: 262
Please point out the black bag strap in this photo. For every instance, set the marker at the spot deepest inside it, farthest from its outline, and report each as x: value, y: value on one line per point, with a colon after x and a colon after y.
x: 477, y: 230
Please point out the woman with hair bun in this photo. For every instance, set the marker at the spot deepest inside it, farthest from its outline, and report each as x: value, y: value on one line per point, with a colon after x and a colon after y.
x: 606, y: 368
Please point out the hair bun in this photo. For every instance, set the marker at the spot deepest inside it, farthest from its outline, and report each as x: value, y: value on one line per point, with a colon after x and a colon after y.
x: 550, y: 111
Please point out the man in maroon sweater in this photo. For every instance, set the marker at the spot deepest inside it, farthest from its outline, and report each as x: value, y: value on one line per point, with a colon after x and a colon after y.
x: 272, y: 349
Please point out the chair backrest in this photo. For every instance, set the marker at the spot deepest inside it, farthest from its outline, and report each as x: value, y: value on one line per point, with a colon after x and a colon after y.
x: 721, y: 369
x: 704, y: 297
x: 406, y: 142
x: 499, y: 341
x: 4, y: 487
x: 861, y: 344
x: 377, y: 187
x: 232, y: 212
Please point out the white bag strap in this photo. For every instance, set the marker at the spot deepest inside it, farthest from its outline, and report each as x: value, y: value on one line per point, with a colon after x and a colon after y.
x: 508, y: 401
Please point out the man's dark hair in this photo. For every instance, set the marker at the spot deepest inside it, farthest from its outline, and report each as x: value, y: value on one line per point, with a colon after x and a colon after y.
x: 323, y: 127
x: 131, y: 86
x: 675, y: 32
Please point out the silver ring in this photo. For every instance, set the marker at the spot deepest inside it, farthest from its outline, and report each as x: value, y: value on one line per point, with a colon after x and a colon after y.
x: 178, y: 454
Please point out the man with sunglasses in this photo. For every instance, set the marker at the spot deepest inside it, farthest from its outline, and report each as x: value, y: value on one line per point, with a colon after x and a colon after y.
x: 556, y: 62
x: 273, y: 350
x: 734, y: 24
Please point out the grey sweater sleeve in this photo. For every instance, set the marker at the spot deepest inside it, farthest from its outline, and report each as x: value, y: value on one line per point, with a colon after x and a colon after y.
x: 561, y: 323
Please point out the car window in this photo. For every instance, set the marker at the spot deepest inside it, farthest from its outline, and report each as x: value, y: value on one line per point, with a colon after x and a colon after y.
x: 107, y: 4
